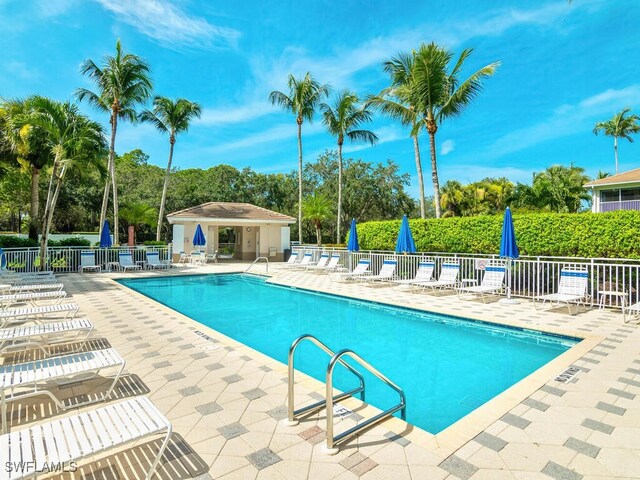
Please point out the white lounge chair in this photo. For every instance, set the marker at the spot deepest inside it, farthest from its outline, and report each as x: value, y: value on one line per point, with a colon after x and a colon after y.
x: 322, y: 262
x: 448, y: 277
x: 184, y: 258
x: 293, y: 259
x: 572, y: 288
x: 82, y: 436
x: 332, y: 265
x: 125, y: 262
x: 492, y: 282
x: 306, y: 261
x: 386, y: 274
x: 30, y: 379
x: 45, y: 334
x: 88, y: 262
x: 7, y: 289
x: 198, y: 258
x: 153, y: 261
x: 631, y: 311
x: 423, y: 274
x: 361, y: 269
x: 14, y: 315
x: 32, y: 298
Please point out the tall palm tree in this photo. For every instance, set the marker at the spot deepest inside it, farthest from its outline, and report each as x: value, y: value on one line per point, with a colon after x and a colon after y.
x: 304, y: 96
x: 317, y: 209
x: 441, y: 94
x: 122, y: 84
x: 29, y: 144
x: 398, y: 102
x: 74, y: 141
x: 172, y: 117
x: 621, y: 125
x: 343, y: 120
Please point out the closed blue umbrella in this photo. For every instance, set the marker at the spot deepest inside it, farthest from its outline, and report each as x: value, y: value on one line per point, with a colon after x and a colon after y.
x: 508, y: 249
x: 198, y: 237
x: 405, y: 243
x: 3, y: 260
x: 353, y: 245
x: 508, y: 246
x: 105, y: 237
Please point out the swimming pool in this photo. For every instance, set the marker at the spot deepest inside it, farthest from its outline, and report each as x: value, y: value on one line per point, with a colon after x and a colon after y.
x: 447, y: 366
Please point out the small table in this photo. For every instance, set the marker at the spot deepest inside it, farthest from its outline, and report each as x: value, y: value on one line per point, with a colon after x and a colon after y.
x: 109, y: 266
x: 611, y: 294
x: 142, y: 263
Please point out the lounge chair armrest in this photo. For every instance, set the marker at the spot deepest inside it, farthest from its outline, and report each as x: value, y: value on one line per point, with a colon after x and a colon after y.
x: 468, y: 281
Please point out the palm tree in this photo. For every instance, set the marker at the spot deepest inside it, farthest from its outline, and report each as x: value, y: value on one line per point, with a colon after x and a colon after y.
x: 29, y: 144
x: 398, y: 103
x: 122, y: 84
x: 304, y: 96
x: 441, y: 94
x: 620, y: 126
x: 342, y: 120
x: 137, y: 214
x: 317, y: 209
x: 173, y: 118
x: 74, y: 141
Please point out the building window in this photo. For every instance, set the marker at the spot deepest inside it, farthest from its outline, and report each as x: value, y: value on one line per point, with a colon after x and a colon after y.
x: 609, y: 195
x: 631, y: 194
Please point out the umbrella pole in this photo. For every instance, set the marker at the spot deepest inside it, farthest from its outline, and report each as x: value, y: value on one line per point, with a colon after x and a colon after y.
x: 509, y: 300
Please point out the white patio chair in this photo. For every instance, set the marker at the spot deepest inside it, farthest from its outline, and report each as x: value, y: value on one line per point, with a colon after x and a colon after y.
x: 322, y: 262
x: 7, y: 289
x: 295, y: 258
x: 125, y: 261
x: 423, y: 274
x: 198, y: 258
x: 631, y: 311
x: 32, y: 298
x: 23, y: 380
x: 44, y: 335
x: 88, y: 262
x: 306, y: 261
x: 332, y: 265
x: 492, y: 282
x: 448, y: 277
x: 153, y: 261
x: 572, y: 288
x: 386, y: 274
x: 361, y: 269
x: 35, y: 314
x: 82, y: 436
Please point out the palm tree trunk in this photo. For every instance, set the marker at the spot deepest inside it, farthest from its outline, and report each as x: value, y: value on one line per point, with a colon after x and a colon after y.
x: 318, y: 235
x: 114, y: 184
x: 35, y: 203
x: 299, y: 179
x: 45, y: 217
x: 434, y: 173
x: 339, y: 192
x: 110, y: 161
x: 615, y: 151
x: 416, y: 150
x: 172, y: 141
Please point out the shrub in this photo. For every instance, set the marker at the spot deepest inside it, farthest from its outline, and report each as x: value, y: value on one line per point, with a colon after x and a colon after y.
x: 154, y: 243
x: 11, y: 241
x: 609, y: 235
x: 73, y: 242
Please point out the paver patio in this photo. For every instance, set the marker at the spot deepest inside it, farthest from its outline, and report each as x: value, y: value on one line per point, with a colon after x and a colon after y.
x: 226, y: 401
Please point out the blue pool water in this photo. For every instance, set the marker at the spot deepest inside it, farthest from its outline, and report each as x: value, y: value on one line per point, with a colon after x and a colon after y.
x: 447, y: 366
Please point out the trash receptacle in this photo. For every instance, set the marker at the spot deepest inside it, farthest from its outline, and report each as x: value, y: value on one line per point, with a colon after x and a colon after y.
x: 287, y: 254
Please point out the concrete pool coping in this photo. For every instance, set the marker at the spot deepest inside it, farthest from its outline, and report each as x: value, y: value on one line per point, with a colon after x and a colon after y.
x: 463, y: 430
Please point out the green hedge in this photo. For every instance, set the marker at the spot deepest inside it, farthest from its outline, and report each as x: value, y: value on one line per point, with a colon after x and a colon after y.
x: 11, y: 241
x: 615, y: 234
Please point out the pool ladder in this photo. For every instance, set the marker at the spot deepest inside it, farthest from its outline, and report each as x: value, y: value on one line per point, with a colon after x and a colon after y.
x: 255, y: 261
x: 333, y: 442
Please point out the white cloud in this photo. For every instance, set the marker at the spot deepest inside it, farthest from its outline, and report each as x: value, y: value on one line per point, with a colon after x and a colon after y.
x: 566, y: 120
x: 235, y: 114
x: 21, y: 70
x: 447, y: 147
x: 165, y: 23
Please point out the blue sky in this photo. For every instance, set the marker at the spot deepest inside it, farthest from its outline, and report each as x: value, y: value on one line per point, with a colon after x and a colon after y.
x: 564, y: 66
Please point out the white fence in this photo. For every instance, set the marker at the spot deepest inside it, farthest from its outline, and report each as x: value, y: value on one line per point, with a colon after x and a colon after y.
x: 67, y: 259
x: 529, y: 276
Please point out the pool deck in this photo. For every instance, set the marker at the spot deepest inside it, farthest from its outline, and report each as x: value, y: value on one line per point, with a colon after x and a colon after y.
x: 227, y: 401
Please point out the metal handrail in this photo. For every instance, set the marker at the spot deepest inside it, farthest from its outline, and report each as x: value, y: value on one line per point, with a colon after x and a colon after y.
x: 332, y: 441
x: 254, y: 262
x: 291, y: 412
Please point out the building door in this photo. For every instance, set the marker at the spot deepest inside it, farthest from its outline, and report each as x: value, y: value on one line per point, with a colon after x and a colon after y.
x: 257, y: 242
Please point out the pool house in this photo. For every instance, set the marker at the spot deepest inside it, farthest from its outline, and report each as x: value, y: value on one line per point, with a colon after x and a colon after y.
x: 239, y: 231
x: 617, y: 192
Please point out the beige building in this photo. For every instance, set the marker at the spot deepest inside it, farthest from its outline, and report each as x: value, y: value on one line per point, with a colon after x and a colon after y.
x: 617, y: 192
x: 234, y: 230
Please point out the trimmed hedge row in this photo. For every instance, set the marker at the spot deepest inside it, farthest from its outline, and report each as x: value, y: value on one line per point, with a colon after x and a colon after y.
x: 9, y: 241
x: 614, y: 234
